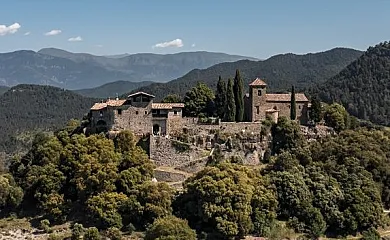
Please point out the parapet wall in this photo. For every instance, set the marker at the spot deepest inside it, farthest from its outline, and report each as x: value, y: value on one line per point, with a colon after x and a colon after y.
x: 194, y: 128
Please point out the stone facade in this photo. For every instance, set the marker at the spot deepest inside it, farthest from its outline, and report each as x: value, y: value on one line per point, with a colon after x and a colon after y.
x: 137, y: 113
x: 259, y: 104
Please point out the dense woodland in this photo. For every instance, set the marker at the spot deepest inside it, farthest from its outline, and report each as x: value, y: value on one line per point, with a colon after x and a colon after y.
x: 336, y: 186
x: 364, y: 86
x: 280, y: 72
x: 30, y: 108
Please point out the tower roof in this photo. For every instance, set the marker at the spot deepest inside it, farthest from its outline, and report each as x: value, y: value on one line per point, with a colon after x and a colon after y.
x: 258, y: 82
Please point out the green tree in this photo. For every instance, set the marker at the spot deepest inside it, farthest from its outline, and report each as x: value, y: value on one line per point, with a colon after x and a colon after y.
x: 220, y: 98
x: 286, y: 135
x: 199, y: 100
x: 172, y: 98
x: 293, y: 107
x: 337, y: 117
x: 238, y: 89
x: 231, y: 105
x: 103, y: 209
x: 146, y: 203
x: 316, y: 110
x: 169, y: 228
x: 92, y: 233
x: 220, y: 200
x: 11, y: 195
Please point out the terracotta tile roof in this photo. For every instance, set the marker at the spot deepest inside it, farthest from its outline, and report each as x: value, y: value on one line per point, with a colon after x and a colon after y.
x: 141, y: 93
x: 258, y: 82
x: 98, y: 106
x: 167, y: 105
x: 115, y: 103
x: 286, y: 97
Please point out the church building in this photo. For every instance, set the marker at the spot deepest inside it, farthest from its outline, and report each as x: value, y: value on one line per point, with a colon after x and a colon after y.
x: 259, y: 104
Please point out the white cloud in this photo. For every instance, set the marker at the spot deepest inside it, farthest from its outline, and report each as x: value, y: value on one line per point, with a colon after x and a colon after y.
x: 174, y: 43
x: 75, y: 39
x: 99, y: 45
x: 53, y: 32
x: 27, y: 33
x: 11, y: 29
x: 193, y: 45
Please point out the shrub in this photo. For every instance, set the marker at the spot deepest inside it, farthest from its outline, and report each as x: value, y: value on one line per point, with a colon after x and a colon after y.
x: 77, y: 231
x: 45, y: 226
x: 92, y: 233
x: 129, y: 228
x: 113, y: 233
x: 170, y: 227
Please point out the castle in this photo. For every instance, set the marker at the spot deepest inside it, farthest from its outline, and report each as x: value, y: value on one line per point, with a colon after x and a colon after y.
x: 142, y: 116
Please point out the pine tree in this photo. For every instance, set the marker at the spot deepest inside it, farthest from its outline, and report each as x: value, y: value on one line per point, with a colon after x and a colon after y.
x: 220, y: 98
x: 238, y: 96
x: 231, y: 105
x: 293, y: 108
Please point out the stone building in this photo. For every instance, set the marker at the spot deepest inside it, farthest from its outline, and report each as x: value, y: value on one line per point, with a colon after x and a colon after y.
x: 259, y: 104
x: 137, y: 113
x: 142, y: 116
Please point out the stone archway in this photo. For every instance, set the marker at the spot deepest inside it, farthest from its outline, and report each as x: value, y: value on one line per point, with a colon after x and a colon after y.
x: 156, y: 129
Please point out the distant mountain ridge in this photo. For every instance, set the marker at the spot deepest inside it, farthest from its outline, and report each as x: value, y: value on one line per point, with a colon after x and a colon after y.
x: 69, y: 70
x: 111, y: 89
x: 280, y: 72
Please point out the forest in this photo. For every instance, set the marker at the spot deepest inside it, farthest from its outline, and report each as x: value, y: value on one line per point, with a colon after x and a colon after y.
x: 363, y: 87
x: 337, y: 186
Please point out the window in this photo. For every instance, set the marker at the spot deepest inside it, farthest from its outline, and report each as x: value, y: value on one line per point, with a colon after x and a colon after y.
x: 136, y: 112
x: 119, y: 111
x: 299, y: 106
x: 146, y: 112
x: 259, y: 92
x: 258, y: 109
x: 175, y: 112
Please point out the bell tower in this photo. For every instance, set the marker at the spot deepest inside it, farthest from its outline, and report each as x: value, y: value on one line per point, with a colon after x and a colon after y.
x: 257, y: 95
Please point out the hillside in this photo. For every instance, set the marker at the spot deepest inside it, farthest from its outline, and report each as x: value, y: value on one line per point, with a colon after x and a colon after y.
x: 111, y: 89
x: 33, y: 107
x: 280, y: 72
x: 363, y: 87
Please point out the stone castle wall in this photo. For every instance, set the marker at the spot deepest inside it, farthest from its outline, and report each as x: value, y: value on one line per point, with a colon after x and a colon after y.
x: 164, y: 152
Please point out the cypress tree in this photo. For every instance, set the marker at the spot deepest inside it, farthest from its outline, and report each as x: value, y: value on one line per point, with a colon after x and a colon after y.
x: 238, y: 96
x: 293, y: 108
x: 231, y: 105
x: 220, y: 98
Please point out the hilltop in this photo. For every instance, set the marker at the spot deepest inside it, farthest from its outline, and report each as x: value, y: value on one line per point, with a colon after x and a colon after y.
x: 363, y: 87
x: 111, y: 89
x: 280, y: 72
x: 32, y: 107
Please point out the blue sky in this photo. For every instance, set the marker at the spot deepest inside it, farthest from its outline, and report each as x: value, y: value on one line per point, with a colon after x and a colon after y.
x: 254, y: 28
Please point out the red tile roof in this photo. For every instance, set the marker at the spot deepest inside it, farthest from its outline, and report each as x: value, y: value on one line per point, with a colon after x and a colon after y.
x: 258, y: 82
x: 115, y: 103
x: 98, y: 106
x: 286, y: 97
x: 167, y: 105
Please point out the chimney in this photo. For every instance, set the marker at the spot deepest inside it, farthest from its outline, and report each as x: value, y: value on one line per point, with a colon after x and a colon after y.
x: 117, y: 97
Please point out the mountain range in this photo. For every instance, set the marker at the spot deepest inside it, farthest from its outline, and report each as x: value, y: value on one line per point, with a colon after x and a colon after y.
x: 363, y: 87
x: 280, y: 72
x: 68, y: 70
